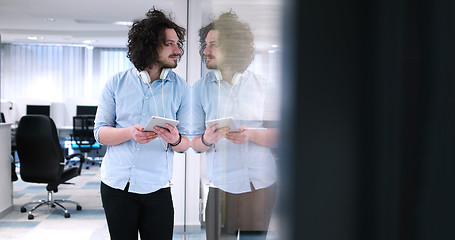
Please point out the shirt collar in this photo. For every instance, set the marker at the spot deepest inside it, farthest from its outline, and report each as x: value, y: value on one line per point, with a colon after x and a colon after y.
x: 216, y: 76
x: 167, y: 75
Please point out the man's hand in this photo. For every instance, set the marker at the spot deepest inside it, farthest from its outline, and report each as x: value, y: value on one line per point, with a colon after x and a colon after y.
x: 239, y: 137
x: 212, y: 134
x: 141, y: 137
x: 170, y: 135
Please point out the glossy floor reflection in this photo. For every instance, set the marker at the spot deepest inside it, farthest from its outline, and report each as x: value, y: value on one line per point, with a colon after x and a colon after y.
x: 88, y: 224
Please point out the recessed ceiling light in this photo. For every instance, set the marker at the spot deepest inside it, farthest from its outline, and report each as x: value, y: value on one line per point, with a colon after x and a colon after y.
x: 32, y: 38
x: 49, y: 19
x: 88, y: 41
x: 124, y: 23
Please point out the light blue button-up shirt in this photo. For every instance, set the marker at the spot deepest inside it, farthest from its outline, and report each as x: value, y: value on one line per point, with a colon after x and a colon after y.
x: 126, y: 101
x: 231, y: 167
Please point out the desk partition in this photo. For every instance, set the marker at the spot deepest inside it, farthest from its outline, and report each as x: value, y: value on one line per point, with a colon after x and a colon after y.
x: 6, y: 186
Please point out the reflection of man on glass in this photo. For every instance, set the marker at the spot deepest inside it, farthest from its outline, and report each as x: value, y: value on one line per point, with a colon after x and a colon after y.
x: 240, y: 167
x: 137, y: 167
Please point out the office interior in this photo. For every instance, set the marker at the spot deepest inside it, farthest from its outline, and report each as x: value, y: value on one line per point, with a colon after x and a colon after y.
x: 66, y: 77
x: 367, y: 119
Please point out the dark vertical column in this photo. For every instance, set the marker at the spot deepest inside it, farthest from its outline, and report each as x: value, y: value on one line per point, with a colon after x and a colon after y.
x: 434, y: 211
x: 368, y: 132
x: 326, y: 118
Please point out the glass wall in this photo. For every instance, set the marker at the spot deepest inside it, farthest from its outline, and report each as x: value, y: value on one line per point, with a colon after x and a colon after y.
x: 58, y: 75
x: 240, y: 47
x: 58, y: 72
x: 229, y: 189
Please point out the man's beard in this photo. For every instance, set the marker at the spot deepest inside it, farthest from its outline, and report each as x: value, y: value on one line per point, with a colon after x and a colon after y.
x: 169, y: 64
x: 210, y: 64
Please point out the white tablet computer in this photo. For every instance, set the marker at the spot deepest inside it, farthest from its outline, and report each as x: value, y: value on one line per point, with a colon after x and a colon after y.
x: 223, y: 122
x: 159, y: 121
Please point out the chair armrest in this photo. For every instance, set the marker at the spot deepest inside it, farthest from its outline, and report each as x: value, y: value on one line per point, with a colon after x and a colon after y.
x: 81, y: 159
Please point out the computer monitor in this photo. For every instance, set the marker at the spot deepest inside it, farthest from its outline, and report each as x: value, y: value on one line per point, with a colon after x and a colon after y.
x: 39, y: 109
x: 85, y: 110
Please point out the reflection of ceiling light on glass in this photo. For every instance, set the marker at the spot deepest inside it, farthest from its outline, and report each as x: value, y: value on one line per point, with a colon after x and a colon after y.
x: 49, y: 19
x: 88, y: 41
x: 90, y: 47
x: 32, y: 38
x: 123, y: 23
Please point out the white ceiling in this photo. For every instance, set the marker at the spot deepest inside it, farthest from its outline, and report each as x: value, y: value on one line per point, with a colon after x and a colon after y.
x: 75, y: 21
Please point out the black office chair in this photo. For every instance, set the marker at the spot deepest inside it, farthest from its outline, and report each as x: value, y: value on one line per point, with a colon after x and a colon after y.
x: 83, y: 135
x: 42, y: 161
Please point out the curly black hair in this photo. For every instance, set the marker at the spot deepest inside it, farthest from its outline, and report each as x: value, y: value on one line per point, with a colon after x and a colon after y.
x: 146, y: 35
x: 235, y: 39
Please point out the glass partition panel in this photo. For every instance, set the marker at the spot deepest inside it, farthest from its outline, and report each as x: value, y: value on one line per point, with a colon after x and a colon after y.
x: 239, y: 43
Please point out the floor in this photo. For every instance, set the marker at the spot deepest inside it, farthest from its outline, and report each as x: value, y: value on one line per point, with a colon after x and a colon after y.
x: 87, y: 224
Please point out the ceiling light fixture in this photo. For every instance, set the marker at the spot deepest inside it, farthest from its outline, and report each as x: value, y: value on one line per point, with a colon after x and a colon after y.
x: 88, y: 41
x: 123, y: 23
x: 49, y: 19
x: 32, y: 38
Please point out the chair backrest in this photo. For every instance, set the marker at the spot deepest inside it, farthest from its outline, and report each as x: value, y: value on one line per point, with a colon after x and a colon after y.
x: 83, y: 130
x: 2, y: 118
x: 39, y: 150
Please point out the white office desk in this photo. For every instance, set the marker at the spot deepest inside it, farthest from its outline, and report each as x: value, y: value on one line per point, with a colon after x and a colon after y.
x: 65, y: 131
x: 6, y: 186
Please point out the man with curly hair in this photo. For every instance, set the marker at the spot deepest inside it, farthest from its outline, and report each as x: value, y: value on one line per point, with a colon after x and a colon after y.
x: 241, y: 169
x: 137, y: 168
